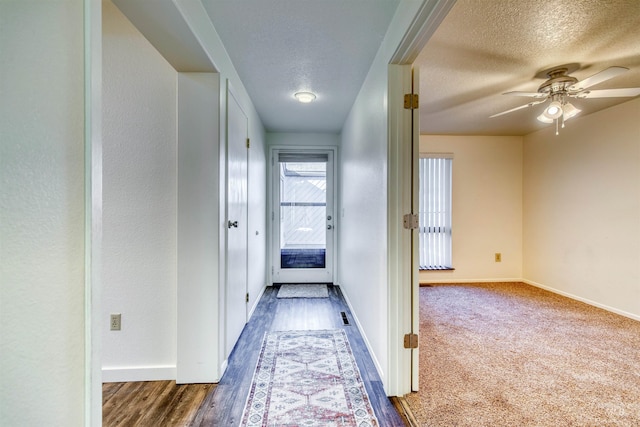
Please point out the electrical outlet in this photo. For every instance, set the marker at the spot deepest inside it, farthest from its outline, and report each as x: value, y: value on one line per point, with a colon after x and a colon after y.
x: 498, y: 257
x: 116, y: 322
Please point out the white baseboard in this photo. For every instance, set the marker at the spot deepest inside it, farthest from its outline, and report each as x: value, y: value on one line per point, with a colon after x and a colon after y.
x: 501, y: 280
x: 584, y: 300
x: 223, y: 367
x: 364, y: 337
x: 138, y: 373
x: 257, y: 300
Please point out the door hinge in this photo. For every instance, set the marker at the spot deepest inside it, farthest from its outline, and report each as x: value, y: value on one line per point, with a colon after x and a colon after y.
x: 248, y: 143
x: 411, y: 341
x: 411, y: 101
x: 411, y: 221
x: 247, y: 298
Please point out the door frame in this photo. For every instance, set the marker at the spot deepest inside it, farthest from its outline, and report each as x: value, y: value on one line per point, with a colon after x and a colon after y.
x: 403, y: 302
x: 272, y: 238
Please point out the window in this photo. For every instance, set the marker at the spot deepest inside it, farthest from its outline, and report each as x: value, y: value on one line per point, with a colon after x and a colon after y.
x: 435, y: 211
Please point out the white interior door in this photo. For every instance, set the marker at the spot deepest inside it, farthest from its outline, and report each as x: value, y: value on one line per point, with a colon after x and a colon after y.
x: 402, y: 268
x: 303, y: 216
x: 236, y: 254
x: 415, y: 247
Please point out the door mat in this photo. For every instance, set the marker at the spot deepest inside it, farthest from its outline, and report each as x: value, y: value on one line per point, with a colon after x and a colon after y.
x: 307, y: 378
x: 303, y: 291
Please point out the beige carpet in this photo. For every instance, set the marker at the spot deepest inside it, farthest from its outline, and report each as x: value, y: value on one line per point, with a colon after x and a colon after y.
x: 509, y: 354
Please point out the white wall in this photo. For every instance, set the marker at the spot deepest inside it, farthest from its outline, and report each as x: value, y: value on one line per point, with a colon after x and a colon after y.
x: 42, y: 214
x: 486, y: 207
x: 189, y: 20
x: 582, y: 208
x: 362, y: 199
x: 139, y: 204
x: 198, y: 195
x: 198, y: 21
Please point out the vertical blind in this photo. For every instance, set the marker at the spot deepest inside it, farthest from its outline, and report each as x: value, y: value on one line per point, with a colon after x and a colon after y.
x: 435, y: 211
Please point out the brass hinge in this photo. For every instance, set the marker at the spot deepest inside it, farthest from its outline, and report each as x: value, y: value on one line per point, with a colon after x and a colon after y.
x: 410, y: 221
x: 411, y: 101
x: 247, y: 299
x: 411, y: 341
x: 248, y: 143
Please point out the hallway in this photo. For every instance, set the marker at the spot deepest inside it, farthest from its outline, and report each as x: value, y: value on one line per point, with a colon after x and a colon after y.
x: 225, y: 405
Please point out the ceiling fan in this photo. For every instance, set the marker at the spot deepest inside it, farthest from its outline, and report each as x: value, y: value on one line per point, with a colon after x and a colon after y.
x: 560, y: 86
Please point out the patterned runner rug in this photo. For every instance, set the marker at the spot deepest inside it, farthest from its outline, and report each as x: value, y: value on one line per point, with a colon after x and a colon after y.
x: 303, y: 291
x: 307, y: 378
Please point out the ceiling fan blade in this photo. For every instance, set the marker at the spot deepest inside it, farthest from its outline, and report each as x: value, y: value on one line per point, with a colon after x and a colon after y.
x: 600, y: 77
x: 527, y: 94
x: 609, y: 93
x: 518, y: 108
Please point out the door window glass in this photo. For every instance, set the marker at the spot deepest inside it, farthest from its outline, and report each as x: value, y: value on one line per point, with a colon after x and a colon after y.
x: 303, y: 211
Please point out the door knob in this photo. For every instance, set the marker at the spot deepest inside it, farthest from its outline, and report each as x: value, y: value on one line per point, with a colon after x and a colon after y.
x: 232, y: 224
x: 329, y: 227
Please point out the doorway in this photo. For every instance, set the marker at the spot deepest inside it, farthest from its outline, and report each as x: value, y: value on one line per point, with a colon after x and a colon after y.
x: 303, y: 216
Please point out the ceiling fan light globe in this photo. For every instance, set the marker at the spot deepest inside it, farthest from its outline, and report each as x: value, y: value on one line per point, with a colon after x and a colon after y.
x: 544, y: 119
x: 554, y: 110
x: 570, y: 111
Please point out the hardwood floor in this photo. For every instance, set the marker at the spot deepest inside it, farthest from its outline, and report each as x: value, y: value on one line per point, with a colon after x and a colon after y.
x: 165, y: 404
x: 225, y: 405
x: 151, y: 403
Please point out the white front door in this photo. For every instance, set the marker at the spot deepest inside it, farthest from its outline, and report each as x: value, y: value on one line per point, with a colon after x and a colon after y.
x: 236, y: 253
x: 303, y: 217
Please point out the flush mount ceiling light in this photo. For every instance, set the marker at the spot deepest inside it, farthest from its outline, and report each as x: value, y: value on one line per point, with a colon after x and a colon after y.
x: 560, y: 86
x: 305, y: 97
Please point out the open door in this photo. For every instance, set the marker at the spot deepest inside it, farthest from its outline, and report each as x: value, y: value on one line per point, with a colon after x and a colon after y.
x: 404, y: 139
x: 303, y: 217
x: 403, y: 230
x: 415, y: 238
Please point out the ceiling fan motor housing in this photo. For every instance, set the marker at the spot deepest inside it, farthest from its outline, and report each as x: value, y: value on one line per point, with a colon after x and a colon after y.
x: 558, y: 82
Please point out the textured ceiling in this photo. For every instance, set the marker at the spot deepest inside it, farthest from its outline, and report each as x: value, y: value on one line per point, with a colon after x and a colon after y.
x: 485, y: 48
x: 482, y: 49
x: 280, y: 47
